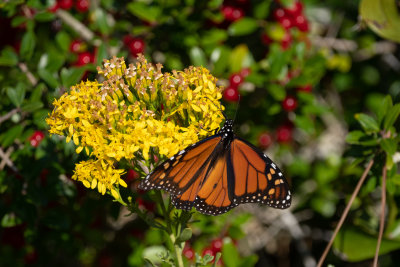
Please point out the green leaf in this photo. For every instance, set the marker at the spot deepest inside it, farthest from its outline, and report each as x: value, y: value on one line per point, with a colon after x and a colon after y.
x: 39, y: 117
x: 239, y: 58
x: 277, y: 91
x: 391, y: 116
x: 389, y: 145
x: 277, y: 61
x: 27, y: 45
x: 230, y: 254
x: 18, y: 20
x: 384, y: 108
x: 243, y: 26
x: 217, y: 257
x: 354, y: 137
x: 213, y: 37
x: 32, y: 106
x: 44, y: 16
x: 184, y: 236
x: 9, y: 136
x: 10, y: 220
x: 368, y: 123
x: 144, y: 11
x: 8, y: 57
x: 197, y: 56
x: 261, y: 10
x: 356, y: 245
x: 72, y: 75
x: 101, y: 53
x: 153, y: 253
x: 382, y: 17
x: 63, y: 40
x: 16, y: 94
x: 50, y: 78
x: 220, y: 59
x: 102, y: 22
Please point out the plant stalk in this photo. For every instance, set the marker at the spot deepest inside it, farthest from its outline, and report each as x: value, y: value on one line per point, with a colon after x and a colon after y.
x: 345, y: 212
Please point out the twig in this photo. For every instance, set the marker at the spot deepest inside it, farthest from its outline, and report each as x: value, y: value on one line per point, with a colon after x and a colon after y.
x: 335, y: 43
x: 76, y: 25
x: 8, y: 115
x: 382, y: 219
x: 6, y: 159
x: 29, y: 75
x: 345, y: 212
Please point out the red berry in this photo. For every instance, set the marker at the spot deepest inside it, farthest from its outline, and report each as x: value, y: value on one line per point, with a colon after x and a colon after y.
x: 294, y: 10
x: 264, y: 140
x: 54, y: 8
x: 237, y: 14
x: 136, y: 46
x: 306, y: 88
x: 279, y: 14
x: 144, y: 204
x: 65, y: 4
x: 188, y: 252
x: 301, y: 23
x: 36, y: 138
x: 284, y: 134
x: 127, y: 39
x: 286, y: 23
x: 77, y: 46
x: 209, y: 251
x: 131, y: 175
x: 232, y: 13
x: 235, y: 80
x: 286, y: 41
x: 82, y: 5
x: 245, y: 72
x: 216, y: 245
x: 231, y: 94
x: 289, y: 103
x: 84, y: 58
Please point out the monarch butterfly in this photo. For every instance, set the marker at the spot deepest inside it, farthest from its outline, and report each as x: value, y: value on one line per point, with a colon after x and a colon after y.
x: 218, y: 173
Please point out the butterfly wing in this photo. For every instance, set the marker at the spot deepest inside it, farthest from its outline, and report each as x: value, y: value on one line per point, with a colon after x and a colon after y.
x: 183, y: 172
x: 256, y: 177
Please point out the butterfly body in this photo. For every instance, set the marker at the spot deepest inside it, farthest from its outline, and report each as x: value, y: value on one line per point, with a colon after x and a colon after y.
x: 218, y: 173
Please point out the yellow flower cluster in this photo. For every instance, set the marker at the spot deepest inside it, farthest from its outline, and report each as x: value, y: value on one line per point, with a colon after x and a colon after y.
x: 136, y: 112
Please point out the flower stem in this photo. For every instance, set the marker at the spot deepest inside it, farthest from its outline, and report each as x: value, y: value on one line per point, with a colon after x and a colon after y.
x: 169, y: 229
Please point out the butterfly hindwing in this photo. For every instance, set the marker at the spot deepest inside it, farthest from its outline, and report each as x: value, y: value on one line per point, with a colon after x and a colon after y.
x: 257, y: 178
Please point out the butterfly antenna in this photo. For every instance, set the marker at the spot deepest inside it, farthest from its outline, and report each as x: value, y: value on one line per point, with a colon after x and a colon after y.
x: 237, y: 107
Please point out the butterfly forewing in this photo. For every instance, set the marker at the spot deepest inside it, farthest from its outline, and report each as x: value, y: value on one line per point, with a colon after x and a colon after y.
x: 178, y: 173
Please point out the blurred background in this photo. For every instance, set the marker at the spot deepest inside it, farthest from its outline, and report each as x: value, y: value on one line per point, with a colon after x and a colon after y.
x: 303, y: 70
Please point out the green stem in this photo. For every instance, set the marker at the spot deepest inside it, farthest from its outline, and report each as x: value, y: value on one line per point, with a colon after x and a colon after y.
x: 169, y: 228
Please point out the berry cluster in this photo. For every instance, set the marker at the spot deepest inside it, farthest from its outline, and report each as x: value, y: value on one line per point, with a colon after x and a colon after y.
x: 36, y: 138
x: 81, y: 50
x: 292, y: 16
x: 81, y: 6
x: 231, y: 92
x: 212, y: 250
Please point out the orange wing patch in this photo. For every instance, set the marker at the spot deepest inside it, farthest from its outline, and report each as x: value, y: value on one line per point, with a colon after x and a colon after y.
x: 213, y: 197
x: 179, y: 173
x: 257, y: 178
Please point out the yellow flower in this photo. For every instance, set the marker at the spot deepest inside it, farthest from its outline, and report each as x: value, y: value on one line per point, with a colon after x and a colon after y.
x: 136, y: 112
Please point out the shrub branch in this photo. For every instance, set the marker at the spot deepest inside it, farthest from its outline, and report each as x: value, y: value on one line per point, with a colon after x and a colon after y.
x: 346, y: 211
